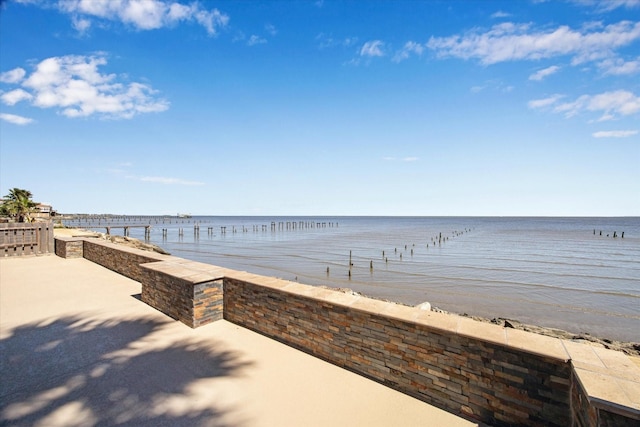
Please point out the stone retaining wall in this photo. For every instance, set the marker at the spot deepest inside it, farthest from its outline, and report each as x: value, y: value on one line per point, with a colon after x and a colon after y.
x: 184, y: 290
x: 120, y: 258
x: 491, y: 382
x: 69, y: 247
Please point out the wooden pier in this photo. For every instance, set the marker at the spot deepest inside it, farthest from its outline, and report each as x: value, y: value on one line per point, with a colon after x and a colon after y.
x: 147, y: 228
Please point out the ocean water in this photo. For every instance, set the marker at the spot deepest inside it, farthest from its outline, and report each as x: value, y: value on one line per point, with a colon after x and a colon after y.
x: 566, y: 273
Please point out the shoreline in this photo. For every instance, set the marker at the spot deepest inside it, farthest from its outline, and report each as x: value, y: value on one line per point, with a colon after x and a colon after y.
x: 630, y: 348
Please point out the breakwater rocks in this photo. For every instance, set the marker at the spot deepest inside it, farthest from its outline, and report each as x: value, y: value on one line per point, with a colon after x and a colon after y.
x: 135, y: 243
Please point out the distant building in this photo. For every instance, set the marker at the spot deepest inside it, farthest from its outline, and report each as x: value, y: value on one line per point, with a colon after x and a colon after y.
x: 44, y: 211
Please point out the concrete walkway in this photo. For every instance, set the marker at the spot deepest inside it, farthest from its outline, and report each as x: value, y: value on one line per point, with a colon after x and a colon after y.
x: 78, y: 348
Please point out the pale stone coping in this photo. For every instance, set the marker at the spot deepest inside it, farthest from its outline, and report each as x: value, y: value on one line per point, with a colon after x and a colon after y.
x: 70, y: 238
x: 189, y: 271
x: 536, y: 344
x: 129, y: 249
x: 611, y: 393
x: 610, y: 378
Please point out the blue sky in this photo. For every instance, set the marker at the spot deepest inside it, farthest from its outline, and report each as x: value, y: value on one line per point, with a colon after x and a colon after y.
x: 322, y: 107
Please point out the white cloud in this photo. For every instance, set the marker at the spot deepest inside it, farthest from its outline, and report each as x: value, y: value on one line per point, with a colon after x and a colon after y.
x: 372, y: 48
x: 615, y: 133
x: 349, y: 41
x: 545, y: 72
x: 619, y: 66
x: 500, y: 14
x: 13, y: 76
x: 619, y: 102
x: 609, y: 5
x: 255, y: 40
x: 81, y: 25
x: 142, y: 14
x: 614, y: 4
x: 75, y: 86
x: 509, y: 42
x: 211, y: 20
x: 327, y: 41
x: 610, y: 104
x: 179, y: 12
x: 16, y: 120
x: 409, y: 48
x: 15, y: 96
x: 494, y: 85
x: 545, y: 102
x: 271, y: 29
x: 169, y: 181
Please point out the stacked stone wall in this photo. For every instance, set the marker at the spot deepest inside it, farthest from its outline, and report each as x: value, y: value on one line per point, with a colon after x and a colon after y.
x: 611, y: 419
x: 120, y: 258
x: 491, y: 383
x: 170, y: 295
x: 69, y: 247
x: 187, y: 291
x: 194, y: 304
x: 584, y: 415
x: 208, y: 303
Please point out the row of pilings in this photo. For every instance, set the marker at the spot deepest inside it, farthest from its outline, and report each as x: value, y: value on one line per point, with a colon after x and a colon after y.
x: 615, y: 234
x: 437, y: 240
x: 255, y: 228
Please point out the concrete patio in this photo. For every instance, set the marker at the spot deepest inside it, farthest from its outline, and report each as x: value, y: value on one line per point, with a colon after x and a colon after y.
x: 78, y: 348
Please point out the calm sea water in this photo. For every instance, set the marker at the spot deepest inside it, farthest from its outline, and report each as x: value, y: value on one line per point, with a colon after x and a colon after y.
x: 552, y: 272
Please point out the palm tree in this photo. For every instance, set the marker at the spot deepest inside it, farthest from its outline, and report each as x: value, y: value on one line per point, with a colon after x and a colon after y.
x: 18, y: 204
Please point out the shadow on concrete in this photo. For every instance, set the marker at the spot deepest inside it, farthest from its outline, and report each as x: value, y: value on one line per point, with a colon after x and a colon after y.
x: 72, y: 371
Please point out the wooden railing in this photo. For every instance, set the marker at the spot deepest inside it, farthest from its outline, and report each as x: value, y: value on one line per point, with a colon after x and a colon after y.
x: 18, y: 239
